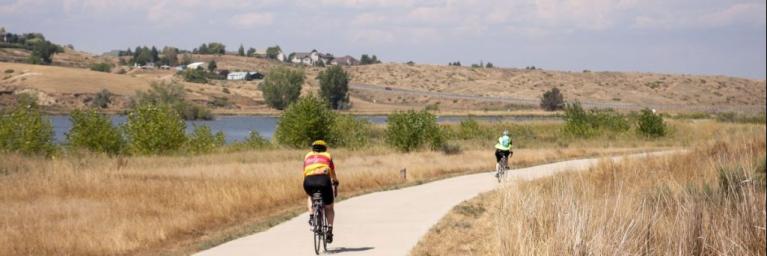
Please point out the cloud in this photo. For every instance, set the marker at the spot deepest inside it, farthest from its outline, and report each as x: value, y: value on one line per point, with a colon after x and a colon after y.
x: 252, y: 19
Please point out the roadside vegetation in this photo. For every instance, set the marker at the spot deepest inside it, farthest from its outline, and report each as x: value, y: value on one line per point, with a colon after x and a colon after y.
x: 707, y: 201
x: 141, y: 192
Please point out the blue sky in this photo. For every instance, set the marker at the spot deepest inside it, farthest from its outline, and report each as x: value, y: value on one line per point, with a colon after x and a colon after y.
x: 672, y: 36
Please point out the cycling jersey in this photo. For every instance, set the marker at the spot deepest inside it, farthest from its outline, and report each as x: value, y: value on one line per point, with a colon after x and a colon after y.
x: 319, y: 163
x: 504, y: 143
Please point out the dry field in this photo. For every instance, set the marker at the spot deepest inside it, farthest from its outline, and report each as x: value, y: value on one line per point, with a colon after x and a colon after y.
x: 179, y: 204
x: 710, y: 201
x: 94, y: 205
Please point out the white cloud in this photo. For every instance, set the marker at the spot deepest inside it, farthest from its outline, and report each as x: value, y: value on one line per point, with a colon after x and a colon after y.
x: 732, y: 15
x: 252, y: 19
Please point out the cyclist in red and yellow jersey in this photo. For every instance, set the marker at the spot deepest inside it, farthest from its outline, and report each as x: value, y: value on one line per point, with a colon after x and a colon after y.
x: 320, y: 175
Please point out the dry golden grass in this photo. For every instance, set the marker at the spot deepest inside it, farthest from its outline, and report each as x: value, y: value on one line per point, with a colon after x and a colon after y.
x: 94, y: 205
x: 709, y: 201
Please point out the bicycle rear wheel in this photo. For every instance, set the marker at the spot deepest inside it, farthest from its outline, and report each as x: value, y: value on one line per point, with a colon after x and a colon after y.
x: 324, y: 233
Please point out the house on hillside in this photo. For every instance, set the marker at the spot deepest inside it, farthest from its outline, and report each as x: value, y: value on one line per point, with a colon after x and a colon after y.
x: 310, y: 58
x: 196, y: 65
x: 345, y: 61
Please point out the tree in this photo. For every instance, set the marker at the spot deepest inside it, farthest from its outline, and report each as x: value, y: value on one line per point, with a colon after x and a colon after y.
x: 282, y: 86
x: 489, y: 65
x: 552, y: 100
x: 203, y: 49
x: 155, y: 54
x: 273, y: 51
x: 365, y: 59
x: 212, y: 66
x: 102, y: 99
x: 241, y: 51
x: 154, y: 129
x: 334, y: 86
x: 170, y: 56
x: 306, y: 120
x: 25, y: 129
x: 95, y: 132
x: 408, y: 131
x: 251, y: 52
x: 216, y: 48
x: 43, y: 51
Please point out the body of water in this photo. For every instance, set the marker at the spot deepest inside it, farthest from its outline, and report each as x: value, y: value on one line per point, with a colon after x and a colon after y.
x: 238, y: 128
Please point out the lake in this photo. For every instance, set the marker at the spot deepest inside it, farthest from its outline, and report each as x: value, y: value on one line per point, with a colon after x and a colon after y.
x: 238, y: 128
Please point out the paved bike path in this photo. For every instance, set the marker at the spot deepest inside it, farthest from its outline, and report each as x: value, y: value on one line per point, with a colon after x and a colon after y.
x: 388, y: 222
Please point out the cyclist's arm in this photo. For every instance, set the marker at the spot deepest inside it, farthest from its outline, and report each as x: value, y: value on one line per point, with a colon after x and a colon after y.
x: 333, y: 172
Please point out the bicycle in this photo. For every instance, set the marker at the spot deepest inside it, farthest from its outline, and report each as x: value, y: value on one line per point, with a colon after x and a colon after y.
x: 319, y: 224
x: 503, y: 166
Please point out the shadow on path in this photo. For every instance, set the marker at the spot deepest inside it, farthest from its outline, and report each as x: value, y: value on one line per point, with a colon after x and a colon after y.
x: 349, y: 249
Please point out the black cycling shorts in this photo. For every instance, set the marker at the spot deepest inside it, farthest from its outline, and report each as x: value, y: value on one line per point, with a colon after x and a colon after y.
x: 500, y: 153
x: 322, y: 184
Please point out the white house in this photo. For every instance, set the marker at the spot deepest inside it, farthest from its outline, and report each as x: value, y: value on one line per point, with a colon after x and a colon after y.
x: 197, y: 64
x: 310, y: 58
x: 281, y: 57
x: 345, y: 61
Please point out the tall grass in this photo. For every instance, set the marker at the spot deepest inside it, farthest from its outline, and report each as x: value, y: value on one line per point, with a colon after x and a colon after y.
x: 95, y: 205
x: 708, y: 202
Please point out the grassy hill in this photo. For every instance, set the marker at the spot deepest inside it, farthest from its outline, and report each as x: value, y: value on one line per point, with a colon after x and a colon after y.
x: 68, y: 84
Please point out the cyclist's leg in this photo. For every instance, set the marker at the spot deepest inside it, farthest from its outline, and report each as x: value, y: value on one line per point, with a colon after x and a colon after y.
x: 328, y: 199
x: 498, y: 156
x: 507, y: 153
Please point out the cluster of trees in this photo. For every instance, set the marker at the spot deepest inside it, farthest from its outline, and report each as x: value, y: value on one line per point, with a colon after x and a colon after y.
x: 367, y: 60
x: 457, y: 63
x: 482, y: 64
x: 210, y: 48
x: 282, y: 87
x: 272, y: 52
x: 42, y: 49
x: 250, y: 53
x: 144, y: 55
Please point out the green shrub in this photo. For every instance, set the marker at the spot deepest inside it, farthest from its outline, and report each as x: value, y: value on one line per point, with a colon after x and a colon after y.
x: 24, y: 129
x: 202, y: 140
x: 580, y: 123
x: 154, y: 129
x: 650, y: 124
x: 469, y: 129
x: 282, y: 87
x: 577, y: 121
x: 304, y: 121
x: 102, y: 99
x: 608, y: 120
x: 195, y: 76
x: 256, y: 141
x: 172, y: 94
x: 334, y: 86
x: 552, y: 100
x: 101, y: 67
x: 411, y: 130
x: 94, y: 132
x: 349, y: 131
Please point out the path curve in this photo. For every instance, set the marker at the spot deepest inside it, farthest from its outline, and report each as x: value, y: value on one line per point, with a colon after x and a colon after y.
x: 388, y: 222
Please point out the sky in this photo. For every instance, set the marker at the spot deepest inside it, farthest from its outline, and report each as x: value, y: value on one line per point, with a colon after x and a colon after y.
x: 724, y: 37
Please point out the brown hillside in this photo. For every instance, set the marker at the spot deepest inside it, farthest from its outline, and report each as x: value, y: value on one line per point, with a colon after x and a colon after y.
x: 638, y: 88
